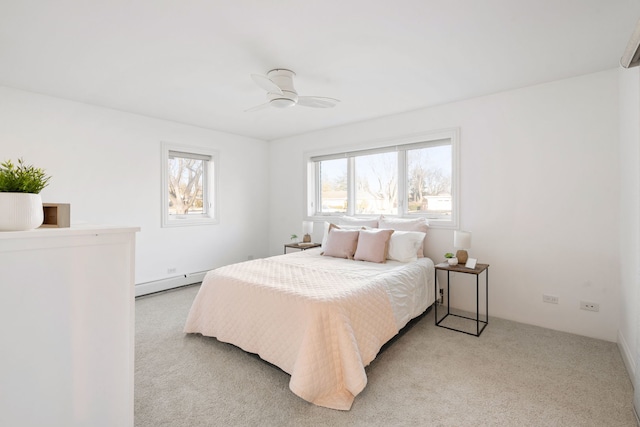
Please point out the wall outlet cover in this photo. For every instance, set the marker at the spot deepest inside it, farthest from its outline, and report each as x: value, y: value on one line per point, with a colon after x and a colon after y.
x: 589, y: 306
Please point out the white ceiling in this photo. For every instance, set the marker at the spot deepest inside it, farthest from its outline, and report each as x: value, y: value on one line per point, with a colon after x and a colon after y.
x: 190, y: 60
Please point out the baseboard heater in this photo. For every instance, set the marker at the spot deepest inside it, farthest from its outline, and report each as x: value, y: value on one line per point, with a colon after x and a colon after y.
x: 169, y: 283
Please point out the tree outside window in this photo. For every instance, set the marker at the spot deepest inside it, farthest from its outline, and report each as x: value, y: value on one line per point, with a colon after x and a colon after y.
x: 188, y: 185
x: 429, y: 180
x: 377, y: 183
x: 185, y: 185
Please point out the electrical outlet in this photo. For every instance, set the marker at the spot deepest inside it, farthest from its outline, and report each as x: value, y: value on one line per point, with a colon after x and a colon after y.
x: 171, y: 270
x: 551, y: 299
x: 589, y: 306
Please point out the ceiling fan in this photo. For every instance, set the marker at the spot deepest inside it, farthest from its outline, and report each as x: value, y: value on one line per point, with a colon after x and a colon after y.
x: 281, y: 94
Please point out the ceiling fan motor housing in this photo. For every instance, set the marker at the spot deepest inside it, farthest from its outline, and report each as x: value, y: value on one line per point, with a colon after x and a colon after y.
x: 284, y: 80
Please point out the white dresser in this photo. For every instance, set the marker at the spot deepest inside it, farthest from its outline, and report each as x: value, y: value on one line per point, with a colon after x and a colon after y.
x: 67, y: 327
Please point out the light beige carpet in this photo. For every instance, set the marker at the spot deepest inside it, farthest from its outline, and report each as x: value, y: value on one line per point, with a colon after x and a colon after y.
x: 513, y: 375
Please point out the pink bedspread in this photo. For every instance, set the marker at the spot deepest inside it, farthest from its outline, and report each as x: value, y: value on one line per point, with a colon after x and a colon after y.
x: 320, y: 324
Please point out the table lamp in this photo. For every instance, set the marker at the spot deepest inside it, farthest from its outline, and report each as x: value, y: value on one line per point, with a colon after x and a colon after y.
x: 307, y: 229
x: 462, y: 241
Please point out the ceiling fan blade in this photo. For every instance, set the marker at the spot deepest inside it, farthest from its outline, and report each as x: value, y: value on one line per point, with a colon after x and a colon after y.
x: 257, y: 107
x: 317, y: 101
x: 266, y: 84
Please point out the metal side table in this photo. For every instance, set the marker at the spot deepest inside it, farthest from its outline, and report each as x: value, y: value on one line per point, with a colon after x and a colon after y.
x: 462, y: 269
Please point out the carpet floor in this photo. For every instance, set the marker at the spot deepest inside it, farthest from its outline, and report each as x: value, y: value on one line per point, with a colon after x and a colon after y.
x: 513, y: 375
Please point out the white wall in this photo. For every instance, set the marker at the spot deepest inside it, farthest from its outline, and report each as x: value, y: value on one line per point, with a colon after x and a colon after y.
x: 106, y: 163
x: 629, y: 217
x: 539, y: 191
x: 539, y: 183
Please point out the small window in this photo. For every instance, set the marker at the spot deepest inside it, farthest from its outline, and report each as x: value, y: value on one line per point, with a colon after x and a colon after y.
x: 188, y: 186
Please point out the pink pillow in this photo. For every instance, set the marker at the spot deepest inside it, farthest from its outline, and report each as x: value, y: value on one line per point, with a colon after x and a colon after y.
x: 341, y: 243
x: 328, y: 226
x: 373, y: 245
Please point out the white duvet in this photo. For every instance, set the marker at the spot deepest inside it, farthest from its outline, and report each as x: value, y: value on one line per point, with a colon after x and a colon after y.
x: 320, y: 319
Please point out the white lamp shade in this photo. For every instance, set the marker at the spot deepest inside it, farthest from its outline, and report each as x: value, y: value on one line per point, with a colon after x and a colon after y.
x: 307, y: 227
x: 462, y: 239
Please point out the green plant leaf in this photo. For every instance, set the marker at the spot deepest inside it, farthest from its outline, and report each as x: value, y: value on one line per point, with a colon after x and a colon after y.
x: 22, y: 178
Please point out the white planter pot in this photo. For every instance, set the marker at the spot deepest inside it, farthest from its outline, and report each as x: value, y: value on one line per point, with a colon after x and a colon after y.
x: 20, y: 211
x: 452, y: 261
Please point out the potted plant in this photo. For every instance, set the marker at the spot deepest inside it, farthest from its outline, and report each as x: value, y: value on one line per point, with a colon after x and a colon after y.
x: 294, y: 238
x: 20, y: 201
x: 451, y: 258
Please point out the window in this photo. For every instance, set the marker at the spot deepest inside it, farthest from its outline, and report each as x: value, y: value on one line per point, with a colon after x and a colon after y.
x: 429, y: 179
x: 376, y: 178
x: 188, y: 186
x: 333, y: 185
x: 412, y: 177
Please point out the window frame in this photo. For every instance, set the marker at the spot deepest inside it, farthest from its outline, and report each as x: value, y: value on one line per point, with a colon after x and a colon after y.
x: 209, y: 185
x: 400, y: 145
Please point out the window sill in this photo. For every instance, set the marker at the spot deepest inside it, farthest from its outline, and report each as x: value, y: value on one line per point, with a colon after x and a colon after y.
x: 433, y: 222
x: 187, y: 222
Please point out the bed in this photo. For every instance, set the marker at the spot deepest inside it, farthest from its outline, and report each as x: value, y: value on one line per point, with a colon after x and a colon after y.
x: 319, y: 318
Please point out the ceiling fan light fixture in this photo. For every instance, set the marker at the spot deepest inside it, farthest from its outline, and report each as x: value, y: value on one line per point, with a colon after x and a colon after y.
x: 282, y: 102
x: 285, y: 99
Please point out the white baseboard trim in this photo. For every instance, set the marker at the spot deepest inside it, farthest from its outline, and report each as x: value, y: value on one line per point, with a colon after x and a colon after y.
x: 169, y: 283
x: 627, y: 357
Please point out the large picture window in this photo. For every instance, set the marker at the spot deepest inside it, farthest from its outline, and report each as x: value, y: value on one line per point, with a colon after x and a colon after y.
x: 413, y: 177
x: 188, y: 184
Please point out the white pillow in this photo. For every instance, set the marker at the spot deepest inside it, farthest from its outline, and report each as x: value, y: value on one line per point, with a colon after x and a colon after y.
x: 362, y: 222
x: 404, y: 224
x: 404, y: 245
